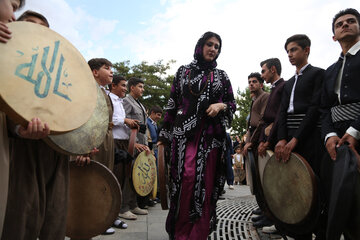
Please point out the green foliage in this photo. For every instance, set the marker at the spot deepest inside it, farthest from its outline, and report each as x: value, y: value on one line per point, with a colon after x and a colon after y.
x: 243, y: 103
x: 157, y: 81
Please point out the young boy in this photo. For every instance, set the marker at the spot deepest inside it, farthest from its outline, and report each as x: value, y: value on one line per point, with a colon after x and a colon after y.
x: 134, y: 110
x: 34, y: 17
x: 238, y: 162
x: 103, y: 74
x: 298, y: 122
x: 37, y: 201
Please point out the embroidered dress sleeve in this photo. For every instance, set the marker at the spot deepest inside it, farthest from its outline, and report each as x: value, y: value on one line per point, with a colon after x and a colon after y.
x: 171, y: 108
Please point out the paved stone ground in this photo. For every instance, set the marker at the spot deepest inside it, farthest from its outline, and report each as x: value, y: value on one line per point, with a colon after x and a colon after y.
x: 238, y: 202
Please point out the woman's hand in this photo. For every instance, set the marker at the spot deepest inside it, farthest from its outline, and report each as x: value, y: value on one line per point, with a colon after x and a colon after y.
x: 215, y: 108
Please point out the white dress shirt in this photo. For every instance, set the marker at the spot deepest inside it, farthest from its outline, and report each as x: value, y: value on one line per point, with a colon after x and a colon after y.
x: 291, y: 103
x: 120, y: 129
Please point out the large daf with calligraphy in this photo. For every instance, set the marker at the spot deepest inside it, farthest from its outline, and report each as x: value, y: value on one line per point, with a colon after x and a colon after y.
x: 43, y: 75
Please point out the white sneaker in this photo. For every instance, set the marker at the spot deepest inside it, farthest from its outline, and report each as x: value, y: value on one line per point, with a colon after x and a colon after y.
x: 231, y: 187
x: 269, y: 229
x: 109, y: 231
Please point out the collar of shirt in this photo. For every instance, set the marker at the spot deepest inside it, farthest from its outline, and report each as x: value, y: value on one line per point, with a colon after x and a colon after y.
x: 274, y: 83
x: 115, y: 97
x: 107, y: 91
x: 301, y: 70
x: 354, y: 49
x: 152, y: 121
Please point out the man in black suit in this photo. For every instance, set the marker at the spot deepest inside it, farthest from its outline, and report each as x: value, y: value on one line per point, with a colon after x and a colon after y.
x: 341, y: 110
x: 298, y: 126
x: 298, y: 122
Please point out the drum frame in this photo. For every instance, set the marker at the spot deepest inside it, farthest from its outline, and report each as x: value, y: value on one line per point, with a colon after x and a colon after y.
x: 85, y: 228
x: 308, y: 223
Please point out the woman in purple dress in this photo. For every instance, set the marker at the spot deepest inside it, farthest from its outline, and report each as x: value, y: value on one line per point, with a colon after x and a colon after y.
x: 200, y: 107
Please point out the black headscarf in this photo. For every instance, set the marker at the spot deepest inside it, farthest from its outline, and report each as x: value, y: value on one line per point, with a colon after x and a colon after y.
x: 199, y: 61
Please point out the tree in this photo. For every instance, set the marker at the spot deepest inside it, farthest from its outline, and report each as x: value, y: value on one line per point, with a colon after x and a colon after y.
x: 157, y: 81
x: 243, y: 103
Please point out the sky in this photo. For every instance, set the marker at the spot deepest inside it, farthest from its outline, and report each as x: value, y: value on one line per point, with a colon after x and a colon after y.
x: 152, y: 30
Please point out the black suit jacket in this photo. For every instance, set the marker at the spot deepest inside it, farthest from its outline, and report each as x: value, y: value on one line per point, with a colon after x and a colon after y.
x: 307, y: 98
x: 349, y: 91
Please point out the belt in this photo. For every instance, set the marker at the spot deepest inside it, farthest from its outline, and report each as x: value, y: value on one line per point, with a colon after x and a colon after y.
x: 293, y: 121
x: 345, y: 112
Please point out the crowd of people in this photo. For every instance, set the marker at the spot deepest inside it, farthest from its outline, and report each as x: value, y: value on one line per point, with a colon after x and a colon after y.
x: 314, y: 113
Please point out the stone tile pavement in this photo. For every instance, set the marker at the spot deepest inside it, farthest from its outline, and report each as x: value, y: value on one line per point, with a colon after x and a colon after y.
x: 152, y: 226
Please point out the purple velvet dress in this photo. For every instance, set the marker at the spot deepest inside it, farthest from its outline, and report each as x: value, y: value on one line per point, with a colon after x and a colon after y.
x: 197, y: 173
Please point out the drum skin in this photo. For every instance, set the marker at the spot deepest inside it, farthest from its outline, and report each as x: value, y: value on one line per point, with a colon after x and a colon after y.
x: 94, y: 200
x: 43, y: 75
x: 144, y: 173
x: 262, y: 163
x: 87, y: 137
x: 289, y: 189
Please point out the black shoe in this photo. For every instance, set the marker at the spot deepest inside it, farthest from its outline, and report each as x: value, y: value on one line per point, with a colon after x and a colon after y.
x: 151, y: 203
x: 257, y: 218
x: 143, y: 206
x: 257, y: 211
x: 223, y: 192
x: 262, y: 223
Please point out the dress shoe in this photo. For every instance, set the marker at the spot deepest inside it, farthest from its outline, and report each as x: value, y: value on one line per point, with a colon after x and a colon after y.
x: 128, y: 215
x: 271, y: 229
x: 139, y: 211
x: 257, y: 211
x: 257, y: 218
x: 151, y: 203
x: 263, y: 223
